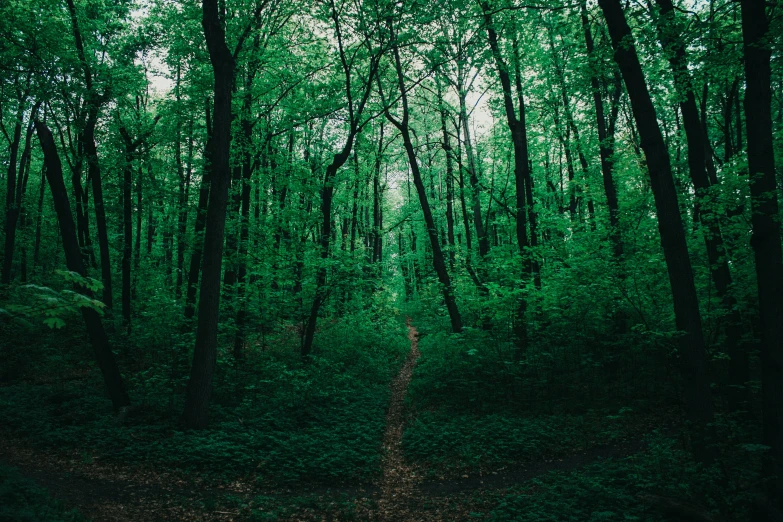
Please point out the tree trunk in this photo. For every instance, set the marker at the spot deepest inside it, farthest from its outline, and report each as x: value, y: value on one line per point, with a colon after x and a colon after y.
x: 201, y: 221
x: 521, y: 174
x: 94, y: 173
x: 182, y: 222
x: 39, y: 219
x: 355, y: 111
x: 671, y: 41
x: 196, y: 411
x: 605, y: 139
x: 686, y: 305
x: 766, y: 233
x: 475, y: 188
x: 11, y: 208
x: 100, y: 342
x: 438, y: 260
x: 127, y: 236
x: 244, y: 225
x: 449, y: 180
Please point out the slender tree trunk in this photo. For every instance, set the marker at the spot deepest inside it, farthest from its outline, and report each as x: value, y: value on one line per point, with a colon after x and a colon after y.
x: 605, y: 139
x: 127, y: 236
x: 327, y: 194
x: 766, y: 232
x: 475, y: 188
x: 182, y: 222
x: 139, y: 216
x: 686, y: 305
x: 438, y: 260
x: 11, y: 208
x: 521, y: 173
x: 94, y: 173
x: 201, y: 221
x: 39, y: 219
x: 449, y: 180
x: 327, y: 190
x: 100, y: 342
x: 671, y: 41
x: 196, y: 411
x: 377, y: 210
x: 244, y: 225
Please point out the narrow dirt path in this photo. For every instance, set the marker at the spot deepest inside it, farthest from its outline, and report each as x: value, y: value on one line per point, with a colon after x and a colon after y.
x: 398, y: 482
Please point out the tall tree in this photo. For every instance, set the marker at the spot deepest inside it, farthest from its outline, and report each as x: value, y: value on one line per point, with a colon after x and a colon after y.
x: 196, y: 411
x: 93, y: 102
x: 356, y: 104
x: 675, y: 249
x: 100, y: 342
x: 765, y: 240
x: 522, y: 178
x: 402, y: 125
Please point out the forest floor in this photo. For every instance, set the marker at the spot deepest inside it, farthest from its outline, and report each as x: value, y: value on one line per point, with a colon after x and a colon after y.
x: 110, y: 491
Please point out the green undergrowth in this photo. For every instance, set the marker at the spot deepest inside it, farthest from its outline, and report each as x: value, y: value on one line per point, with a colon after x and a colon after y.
x: 276, y: 420
x: 21, y: 500
x: 448, y: 441
x: 474, y: 405
x: 640, y: 487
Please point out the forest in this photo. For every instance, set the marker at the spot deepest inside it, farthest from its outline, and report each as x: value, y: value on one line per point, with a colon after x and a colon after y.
x: 384, y: 260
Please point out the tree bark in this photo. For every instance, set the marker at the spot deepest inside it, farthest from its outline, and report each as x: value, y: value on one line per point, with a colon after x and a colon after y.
x: 605, y: 139
x: 671, y: 41
x: 201, y: 222
x: 521, y: 174
x: 686, y: 305
x: 438, y: 260
x: 196, y: 411
x: 100, y: 342
x: 11, y: 208
x: 765, y: 239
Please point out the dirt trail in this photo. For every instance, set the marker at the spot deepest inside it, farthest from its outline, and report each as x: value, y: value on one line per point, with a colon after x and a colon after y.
x: 398, y: 483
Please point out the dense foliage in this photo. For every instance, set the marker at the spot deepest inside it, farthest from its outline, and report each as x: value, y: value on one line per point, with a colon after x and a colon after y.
x: 217, y: 217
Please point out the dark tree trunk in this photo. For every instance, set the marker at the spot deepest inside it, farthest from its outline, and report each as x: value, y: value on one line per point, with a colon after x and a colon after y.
x: 94, y: 173
x: 475, y: 188
x: 449, y: 181
x: 605, y: 139
x: 11, y: 208
x: 100, y: 342
x: 201, y: 221
x: 325, y: 235
x: 21, y: 190
x: 139, y: 216
x: 87, y: 147
x: 766, y: 233
x: 377, y: 210
x: 355, y: 204
x: 327, y: 190
x: 196, y: 411
x: 686, y: 305
x: 131, y: 146
x: 39, y: 220
x: 127, y: 235
x: 244, y: 225
x: 671, y: 41
x: 182, y: 222
x: 438, y: 260
x: 521, y: 173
